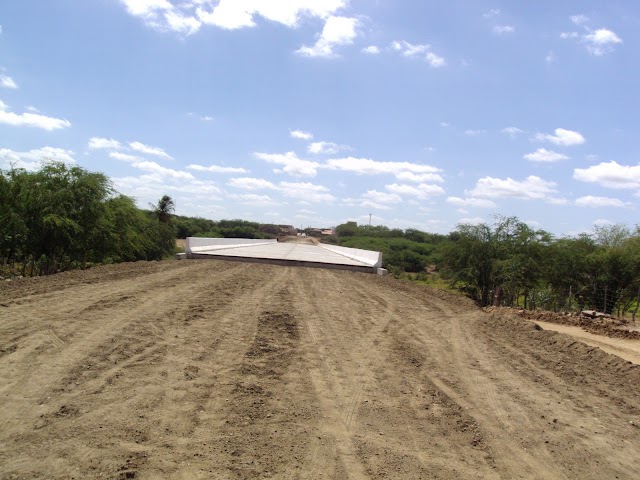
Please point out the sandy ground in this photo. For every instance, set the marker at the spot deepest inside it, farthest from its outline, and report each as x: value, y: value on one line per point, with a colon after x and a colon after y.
x: 208, y: 369
x: 627, y: 349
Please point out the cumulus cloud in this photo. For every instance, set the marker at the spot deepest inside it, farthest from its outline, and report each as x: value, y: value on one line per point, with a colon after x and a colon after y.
x: 503, y: 29
x: 125, y: 157
x: 7, y: 82
x: 562, y: 137
x: 32, y: 159
x: 216, y: 169
x: 302, y: 191
x: 365, y: 166
x: 551, y: 57
x: 307, y: 192
x: 375, y: 200
x: 96, y: 143
x: 248, y: 183
x: 421, y: 191
x: 473, y: 133
x: 142, y: 148
x: 531, y: 188
x: 419, y: 177
x: 579, y: 19
x: 610, y: 175
x: 595, y: 202
x: 471, y: 221
x: 601, y: 41
x: 494, y: 12
x: 546, y: 156
x: 183, y: 189
x: 255, y: 200
x: 28, y: 119
x: 292, y: 165
x: 513, y: 132
x: 597, y: 42
x: 471, y: 202
x: 153, y: 167
x: 422, y: 51
x: 327, y: 148
x: 337, y: 31
x: 187, y: 16
x: 371, y: 50
x: 301, y: 135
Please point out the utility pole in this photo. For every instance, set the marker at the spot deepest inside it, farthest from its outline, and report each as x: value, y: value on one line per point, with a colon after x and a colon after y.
x: 369, y: 219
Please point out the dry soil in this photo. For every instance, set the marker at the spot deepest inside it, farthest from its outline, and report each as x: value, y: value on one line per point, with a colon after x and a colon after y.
x: 208, y: 369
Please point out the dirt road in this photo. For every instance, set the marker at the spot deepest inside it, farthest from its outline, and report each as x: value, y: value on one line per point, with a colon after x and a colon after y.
x: 207, y: 369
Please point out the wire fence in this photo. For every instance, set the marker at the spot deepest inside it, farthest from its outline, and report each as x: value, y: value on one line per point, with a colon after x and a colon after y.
x: 620, y: 303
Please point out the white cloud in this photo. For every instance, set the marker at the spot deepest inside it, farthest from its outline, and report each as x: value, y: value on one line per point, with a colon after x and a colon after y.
x: 513, y: 132
x: 610, y: 175
x: 327, y: 148
x: 601, y: 222
x: 302, y: 191
x: 579, y: 19
x: 473, y: 133
x: 125, y: 157
x: 229, y: 15
x: 492, y: 13
x: 301, y: 135
x: 7, y: 82
x: 471, y: 202
x: 381, y: 197
x: 293, y: 165
x: 3, y: 106
x: 419, y: 177
x: 445, y: 124
x: 375, y: 200
x: 365, y: 166
x: 306, y: 192
x: 544, y: 155
x: 531, y: 188
x: 471, y: 221
x: 247, y: 183
x: 551, y: 57
x: 217, y: 169
x: 422, y: 51
x: 31, y: 160
x: 142, y: 148
x: 562, y: 137
x: 254, y: 200
x: 597, y: 42
x: 186, y: 25
x: 337, y: 31
x: 148, y: 187
x: 31, y: 108
x: 590, y: 201
x: 31, y: 120
x: 421, y: 191
x: 601, y: 41
x: 146, y: 7
x: 503, y: 29
x: 98, y: 143
x: 232, y: 14
x: 187, y: 16
x: 371, y: 50
x: 153, y: 167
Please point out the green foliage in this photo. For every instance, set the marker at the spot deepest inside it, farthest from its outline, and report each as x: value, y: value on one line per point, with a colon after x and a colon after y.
x: 60, y: 217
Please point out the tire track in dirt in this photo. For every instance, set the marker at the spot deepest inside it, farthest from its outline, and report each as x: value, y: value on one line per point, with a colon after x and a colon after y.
x: 226, y: 370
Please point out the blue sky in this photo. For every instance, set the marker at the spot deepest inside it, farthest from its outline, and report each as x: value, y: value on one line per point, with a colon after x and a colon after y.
x: 315, y: 112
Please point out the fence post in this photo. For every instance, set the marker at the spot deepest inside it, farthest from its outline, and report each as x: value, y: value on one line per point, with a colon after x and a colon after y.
x: 605, y: 299
x: 570, y: 297
x: 633, y: 316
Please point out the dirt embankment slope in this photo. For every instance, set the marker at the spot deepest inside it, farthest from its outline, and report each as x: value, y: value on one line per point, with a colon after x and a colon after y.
x: 208, y: 369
